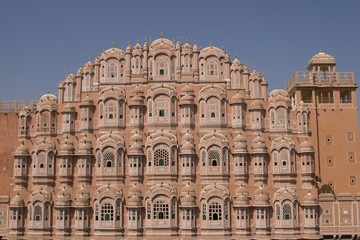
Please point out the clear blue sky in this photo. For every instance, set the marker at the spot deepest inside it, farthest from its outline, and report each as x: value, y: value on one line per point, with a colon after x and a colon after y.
x: 41, y: 41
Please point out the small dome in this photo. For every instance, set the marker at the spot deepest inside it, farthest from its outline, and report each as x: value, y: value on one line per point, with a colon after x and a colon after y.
x: 256, y: 105
x: 188, y: 201
x: 306, y: 146
x: 187, y: 138
x: 261, y: 197
x: 17, y: 201
x: 47, y: 99
x: 187, y: 100
x: 195, y: 47
x: 67, y: 147
x: 236, y: 62
x: 63, y: 200
x: 135, y: 190
x: 87, y: 101
x: 309, y: 199
x: 187, y: 148
x: 85, y: 146
x: 136, y: 91
x: 136, y: 100
x: 68, y: 108
x: 240, y: 144
x: 134, y: 201
x: 187, y: 89
x: 322, y: 58
x: 83, y: 198
x: 89, y: 64
x: 21, y: 150
x: 136, y: 138
x: 237, y: 99
x: 79, y: 72
x: 242, y: 196
x: 137, y: 47
x: 136, y: 148
x: 186, y: 46
x: 259, y: 145
x: 188, y: 190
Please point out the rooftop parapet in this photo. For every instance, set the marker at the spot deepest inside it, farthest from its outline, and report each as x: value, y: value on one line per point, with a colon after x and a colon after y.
x: 319, y: 78
x: 17, y: 105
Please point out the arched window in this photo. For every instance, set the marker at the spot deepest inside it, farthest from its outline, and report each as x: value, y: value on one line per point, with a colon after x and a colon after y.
x: 284, y: 157
x: 109, y: 159
x: 112, y: 71
x: 281, y: 119
x: 162, y: 68
x: 161, y: 157
x: 215, y: 211
x: 161, y: 210
x: 107, y: 212
x: 286, y: 212
x: 214, y: 158
x: 213, y: 110
x: 37, y: 213
x: 212, y: 69
x: 149, y: 157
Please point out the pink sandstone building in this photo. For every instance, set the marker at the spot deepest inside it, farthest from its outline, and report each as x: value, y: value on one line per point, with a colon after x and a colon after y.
x: 167, y: 140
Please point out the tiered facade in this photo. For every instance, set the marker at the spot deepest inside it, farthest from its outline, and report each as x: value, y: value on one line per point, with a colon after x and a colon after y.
x: 165, y: 139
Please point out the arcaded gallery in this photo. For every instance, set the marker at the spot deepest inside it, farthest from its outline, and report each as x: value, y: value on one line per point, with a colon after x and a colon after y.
x: 168, y: 139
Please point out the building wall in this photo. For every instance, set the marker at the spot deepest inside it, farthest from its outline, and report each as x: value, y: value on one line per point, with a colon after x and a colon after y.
x: 77, y: 157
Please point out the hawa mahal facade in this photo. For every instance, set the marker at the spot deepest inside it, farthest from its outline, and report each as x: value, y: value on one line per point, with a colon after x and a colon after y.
x: 167, y: 139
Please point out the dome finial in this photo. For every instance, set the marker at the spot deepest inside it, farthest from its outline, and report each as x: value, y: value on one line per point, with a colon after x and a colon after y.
x: 278, y: 86
x: 174, y: 41
x: 162, y: 35
x: 150, y: 41
x: 129, y: 44
x: 103, y: 51
x: 48, y: 91
x: 137, y: 41
x: 113, y: 44
x: 186, y: 41
x: 89, y: 58
x: 145, y: 39
x: 255, y: 68
x: 210, y: 43
x: 320, y: 50
x: 178, y: 39
x: 235, y: 55
x: 195, y: 41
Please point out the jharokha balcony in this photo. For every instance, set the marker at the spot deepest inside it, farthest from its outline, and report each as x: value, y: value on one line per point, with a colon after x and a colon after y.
x: 305, y: 77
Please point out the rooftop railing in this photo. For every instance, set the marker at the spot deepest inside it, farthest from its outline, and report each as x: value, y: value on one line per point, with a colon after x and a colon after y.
x: 17, y: 105
x: 320, y: 78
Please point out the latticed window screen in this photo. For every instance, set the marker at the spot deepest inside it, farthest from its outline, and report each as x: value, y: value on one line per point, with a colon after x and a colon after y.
x: 278, y: 211
x: 204, y: 211
x: 286, y: 212
x: 224, y: 156
x: 173, y: 210
x: 96, y: 212
x: 119, y: 158
x: 161, y: 157
x: 161, y: 210
x: 203, y: 158
x: 211, y: 69
x: 109, y: 159
x: 37, y: 213
x: 107, y: 212
x: 173, y: 156
x: 215, y: 212
x: 214, y: 158
x: 148, y: 210
x: 149, y: 157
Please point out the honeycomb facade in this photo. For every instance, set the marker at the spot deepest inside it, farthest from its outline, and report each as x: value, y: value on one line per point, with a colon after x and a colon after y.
x: 166, y: 140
